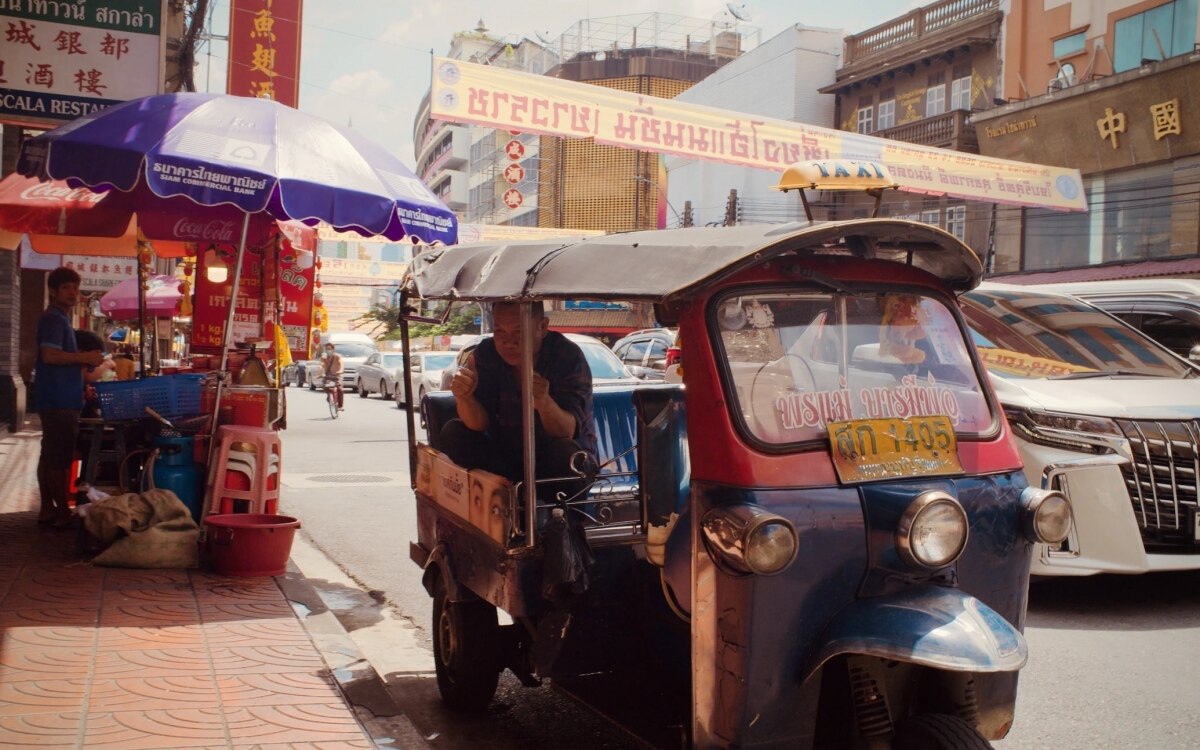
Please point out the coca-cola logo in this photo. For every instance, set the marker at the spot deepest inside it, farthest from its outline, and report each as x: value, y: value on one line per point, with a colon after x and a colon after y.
x: 210, y: 231
x: 51, y: 191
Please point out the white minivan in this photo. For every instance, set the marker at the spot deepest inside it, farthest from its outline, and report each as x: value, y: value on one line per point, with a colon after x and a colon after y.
x: 1104, y: 414
x: 354, y: 348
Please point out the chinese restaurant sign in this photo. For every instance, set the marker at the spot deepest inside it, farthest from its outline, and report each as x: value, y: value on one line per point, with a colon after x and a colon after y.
x: 256, y: 300
x: 500, y: 98
x: 62, y: 60
x: 264, y: 49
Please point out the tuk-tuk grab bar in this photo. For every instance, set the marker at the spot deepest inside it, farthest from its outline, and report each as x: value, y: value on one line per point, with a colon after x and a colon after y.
x: 527, y: 417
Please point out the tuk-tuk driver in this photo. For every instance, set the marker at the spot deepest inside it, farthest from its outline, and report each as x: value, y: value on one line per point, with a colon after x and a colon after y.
x: 487, y: 434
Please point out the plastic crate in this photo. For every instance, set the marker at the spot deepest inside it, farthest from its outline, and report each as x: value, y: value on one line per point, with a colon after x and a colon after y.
x: 169, y: 395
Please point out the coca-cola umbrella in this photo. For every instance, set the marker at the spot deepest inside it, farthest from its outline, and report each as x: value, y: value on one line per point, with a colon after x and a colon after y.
x: 161, y: 298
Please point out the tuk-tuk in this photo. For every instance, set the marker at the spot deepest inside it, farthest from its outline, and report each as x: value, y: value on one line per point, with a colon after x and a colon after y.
x: 820, y: 538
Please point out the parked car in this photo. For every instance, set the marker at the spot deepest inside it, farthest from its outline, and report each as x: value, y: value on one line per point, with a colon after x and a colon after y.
x: 1166, y: 310
x: 1102, y: 413
x: 427, y: 370
x: 382, y: 373
x: 644, y: 352
x: 296, y: 373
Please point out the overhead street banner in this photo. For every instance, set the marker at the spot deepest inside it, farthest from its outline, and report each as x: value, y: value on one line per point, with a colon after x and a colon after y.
x: 510, y: 100
x: 63, y: 60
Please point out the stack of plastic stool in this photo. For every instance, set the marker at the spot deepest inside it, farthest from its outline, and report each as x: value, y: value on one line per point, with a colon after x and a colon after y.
x: 244, y: 471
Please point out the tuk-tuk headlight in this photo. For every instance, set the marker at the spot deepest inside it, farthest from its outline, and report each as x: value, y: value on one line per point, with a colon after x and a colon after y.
x: 932, y: 531
x: 747, y: 539
x: 1046, y: 515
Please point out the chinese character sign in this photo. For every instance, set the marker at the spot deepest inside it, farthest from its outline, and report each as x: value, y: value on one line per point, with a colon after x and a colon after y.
x: 59, y: 61
x: 264, y: 49
x: 496, y: 97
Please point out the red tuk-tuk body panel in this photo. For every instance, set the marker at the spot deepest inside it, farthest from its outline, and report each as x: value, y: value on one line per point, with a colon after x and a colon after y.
x: 729, y: 458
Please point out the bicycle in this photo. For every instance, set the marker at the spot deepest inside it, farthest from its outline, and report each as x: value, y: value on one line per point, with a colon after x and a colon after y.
x: 331, y: 397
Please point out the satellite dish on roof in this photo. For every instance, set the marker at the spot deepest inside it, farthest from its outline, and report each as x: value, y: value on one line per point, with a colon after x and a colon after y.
x: 544, y: 37
x: 738, y: 11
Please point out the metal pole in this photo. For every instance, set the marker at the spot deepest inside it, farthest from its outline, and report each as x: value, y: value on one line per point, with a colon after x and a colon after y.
x: 221, y: 374
x: 530, y: 428
x: 409, y: 421
x: 141, y: 282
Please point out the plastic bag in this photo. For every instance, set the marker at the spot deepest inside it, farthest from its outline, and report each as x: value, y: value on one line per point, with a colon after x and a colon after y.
x: 568, y: 557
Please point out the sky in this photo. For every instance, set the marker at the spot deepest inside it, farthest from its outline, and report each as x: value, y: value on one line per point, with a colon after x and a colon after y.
x: 366, y: 63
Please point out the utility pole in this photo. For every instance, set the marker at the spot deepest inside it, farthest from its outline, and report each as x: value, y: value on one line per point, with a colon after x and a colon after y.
x: 687, y: 214
x: 731, y: 209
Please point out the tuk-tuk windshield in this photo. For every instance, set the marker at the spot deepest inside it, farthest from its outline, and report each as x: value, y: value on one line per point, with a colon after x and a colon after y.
x: 797, y: 362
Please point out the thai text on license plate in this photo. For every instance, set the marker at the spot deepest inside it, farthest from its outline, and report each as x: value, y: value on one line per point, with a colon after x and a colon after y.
x: 867, y: 450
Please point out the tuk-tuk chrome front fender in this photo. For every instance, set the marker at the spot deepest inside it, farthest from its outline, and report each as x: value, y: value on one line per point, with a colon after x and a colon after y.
x: 933, y: 626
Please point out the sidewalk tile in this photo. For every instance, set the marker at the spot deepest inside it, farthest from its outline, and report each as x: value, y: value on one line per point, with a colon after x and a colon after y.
x: 144, y: 579
x: 154, y: 693
x: 41, y: 696
x: 49, y: 731
x: 149, y: 615
x: 163, y: 662
x: 266, y: 659
x: 155, y: 637
x: 46, y: 597
x: 48, y: 617
x: 254, y: 632
x: 275, y: 689
x: 155, y: 729
x: 138, y: 597
x: 310, y: 722
x: 246, y: 611
x: 48, y: 637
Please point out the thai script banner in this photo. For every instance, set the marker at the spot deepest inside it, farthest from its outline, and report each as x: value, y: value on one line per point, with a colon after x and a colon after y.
x: 264, y: 49
x: 511, y: 100
x: 62, y: 60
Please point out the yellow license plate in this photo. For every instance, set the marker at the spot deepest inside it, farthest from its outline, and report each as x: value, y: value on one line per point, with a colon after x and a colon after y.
x: 867, y: 450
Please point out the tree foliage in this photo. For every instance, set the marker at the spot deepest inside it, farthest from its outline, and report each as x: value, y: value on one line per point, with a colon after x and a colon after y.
x: 384, y: 322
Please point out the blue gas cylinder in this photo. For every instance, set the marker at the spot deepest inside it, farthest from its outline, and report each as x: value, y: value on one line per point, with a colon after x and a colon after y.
x: 176, y: 470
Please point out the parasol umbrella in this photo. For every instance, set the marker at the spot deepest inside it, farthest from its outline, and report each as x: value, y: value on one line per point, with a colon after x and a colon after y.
x: 162, y: 298
x: 255, y: 154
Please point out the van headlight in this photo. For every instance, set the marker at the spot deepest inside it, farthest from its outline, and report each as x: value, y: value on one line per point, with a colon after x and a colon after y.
x: 933, y: 530
x: 1045, y: 515
x: 1072, y: 432
x: 747, y: 539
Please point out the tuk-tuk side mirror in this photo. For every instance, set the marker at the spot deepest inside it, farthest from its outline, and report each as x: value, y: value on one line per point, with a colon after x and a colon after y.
x: 1194, y: 354
x: 637, y: 371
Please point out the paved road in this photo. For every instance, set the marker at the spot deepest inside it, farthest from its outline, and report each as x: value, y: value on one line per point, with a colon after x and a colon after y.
x: 1115, y: 662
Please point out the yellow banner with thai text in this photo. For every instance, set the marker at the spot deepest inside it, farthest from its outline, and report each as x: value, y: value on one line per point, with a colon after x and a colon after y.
x: 511, y: 100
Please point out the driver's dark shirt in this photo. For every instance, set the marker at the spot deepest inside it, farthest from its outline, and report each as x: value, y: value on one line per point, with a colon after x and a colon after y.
x: 562, y: 363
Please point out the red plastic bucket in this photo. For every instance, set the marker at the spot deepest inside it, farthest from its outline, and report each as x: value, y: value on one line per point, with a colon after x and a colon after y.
x: 250, y: 545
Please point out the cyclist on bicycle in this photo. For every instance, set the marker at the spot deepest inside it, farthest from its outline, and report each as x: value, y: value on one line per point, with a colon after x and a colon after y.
x: 332, y: 365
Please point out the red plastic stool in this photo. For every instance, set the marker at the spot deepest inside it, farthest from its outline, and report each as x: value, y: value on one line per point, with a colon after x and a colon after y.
x: 243, y: 475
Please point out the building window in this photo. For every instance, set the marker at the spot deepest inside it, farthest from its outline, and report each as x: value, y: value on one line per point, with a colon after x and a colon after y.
x: 1137, y: 38
x: 956, y: 221
x: 1069, y: 45
x: 932, y: 216
x: 865, y: 119
x: 935, y: 96
x: 1137, y: 214
x: 960, y: 93
x: 887, y: 114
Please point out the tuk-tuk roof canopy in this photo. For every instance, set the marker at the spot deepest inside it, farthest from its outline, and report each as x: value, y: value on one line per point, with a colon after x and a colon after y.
x: 657, y: 265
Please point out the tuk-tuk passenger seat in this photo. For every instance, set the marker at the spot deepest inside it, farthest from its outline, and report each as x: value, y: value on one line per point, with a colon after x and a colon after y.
x: 615, y: 419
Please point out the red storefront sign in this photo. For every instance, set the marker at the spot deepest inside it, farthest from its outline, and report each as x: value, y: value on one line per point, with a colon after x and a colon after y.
x: 255, y: 311
x: 514, y: 173
x: 264, y: 49
x: 513, y: 198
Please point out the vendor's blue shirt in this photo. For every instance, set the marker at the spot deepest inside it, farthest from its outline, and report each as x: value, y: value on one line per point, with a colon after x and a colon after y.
x: 561, y: 362
x: 56, y: 386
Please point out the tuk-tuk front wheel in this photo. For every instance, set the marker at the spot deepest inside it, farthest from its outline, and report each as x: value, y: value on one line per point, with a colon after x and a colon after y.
x: 938, y: 732
x: 465, y: 645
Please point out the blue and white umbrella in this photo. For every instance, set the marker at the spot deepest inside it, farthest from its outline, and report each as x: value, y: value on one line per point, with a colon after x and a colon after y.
x: 256, y: 154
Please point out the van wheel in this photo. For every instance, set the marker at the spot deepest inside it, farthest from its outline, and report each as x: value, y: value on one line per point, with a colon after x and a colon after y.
x: 362, y: 391
x: 938, y: 732
x: 465, y: 644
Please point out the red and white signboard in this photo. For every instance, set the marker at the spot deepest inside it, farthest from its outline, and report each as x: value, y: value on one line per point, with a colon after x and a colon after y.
x: 515, y: 149
x: 513, y: 198
x: 264, y: 49
x: 514, y: 173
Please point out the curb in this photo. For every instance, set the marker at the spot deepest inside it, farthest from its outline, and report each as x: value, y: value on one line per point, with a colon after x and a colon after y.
x: 356, y: 678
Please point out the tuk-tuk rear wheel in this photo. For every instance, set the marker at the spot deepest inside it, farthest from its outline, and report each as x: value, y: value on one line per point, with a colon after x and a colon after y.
x: 465, y: 645
x: 938, y: 732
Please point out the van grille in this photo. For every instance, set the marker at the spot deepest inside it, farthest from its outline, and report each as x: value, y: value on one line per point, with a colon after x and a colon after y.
x: 1162, y: 481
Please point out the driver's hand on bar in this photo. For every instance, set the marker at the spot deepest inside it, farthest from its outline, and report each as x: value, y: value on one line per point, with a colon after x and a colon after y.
x: 541, y: 391
x: 464, y: 382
